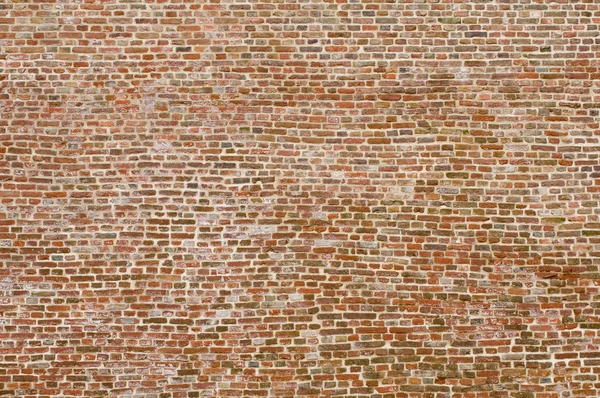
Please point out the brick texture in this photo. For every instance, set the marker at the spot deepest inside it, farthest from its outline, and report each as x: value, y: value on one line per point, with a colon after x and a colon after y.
x: 300, y: 198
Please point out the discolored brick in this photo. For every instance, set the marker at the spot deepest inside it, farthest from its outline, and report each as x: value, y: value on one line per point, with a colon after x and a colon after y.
x: 253, y: 198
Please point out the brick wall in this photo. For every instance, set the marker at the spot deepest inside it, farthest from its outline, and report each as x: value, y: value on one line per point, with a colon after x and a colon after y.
x: 294, y: 198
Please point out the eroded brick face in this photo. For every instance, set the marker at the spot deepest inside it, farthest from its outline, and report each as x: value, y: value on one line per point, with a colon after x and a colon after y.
x: 259, y: 198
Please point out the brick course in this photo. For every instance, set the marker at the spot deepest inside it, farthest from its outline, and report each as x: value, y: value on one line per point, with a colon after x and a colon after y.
x: 294, y: 198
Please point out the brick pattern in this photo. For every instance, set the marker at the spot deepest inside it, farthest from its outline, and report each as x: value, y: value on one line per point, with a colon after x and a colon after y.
x: 294, y: 198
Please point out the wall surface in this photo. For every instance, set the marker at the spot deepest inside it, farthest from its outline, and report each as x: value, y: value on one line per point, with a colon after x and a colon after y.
x: 300, y: 198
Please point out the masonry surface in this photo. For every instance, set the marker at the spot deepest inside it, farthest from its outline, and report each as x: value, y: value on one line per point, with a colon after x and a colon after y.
x: 260, y: 198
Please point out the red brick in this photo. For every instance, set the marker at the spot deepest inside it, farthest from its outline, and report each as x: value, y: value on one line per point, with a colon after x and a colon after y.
x: 299, y: 199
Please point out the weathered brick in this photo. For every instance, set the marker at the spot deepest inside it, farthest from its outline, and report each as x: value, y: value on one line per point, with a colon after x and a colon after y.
x: 299, y: 198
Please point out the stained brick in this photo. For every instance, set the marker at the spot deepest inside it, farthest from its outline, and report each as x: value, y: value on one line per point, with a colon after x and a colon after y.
x: 299, y: 199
